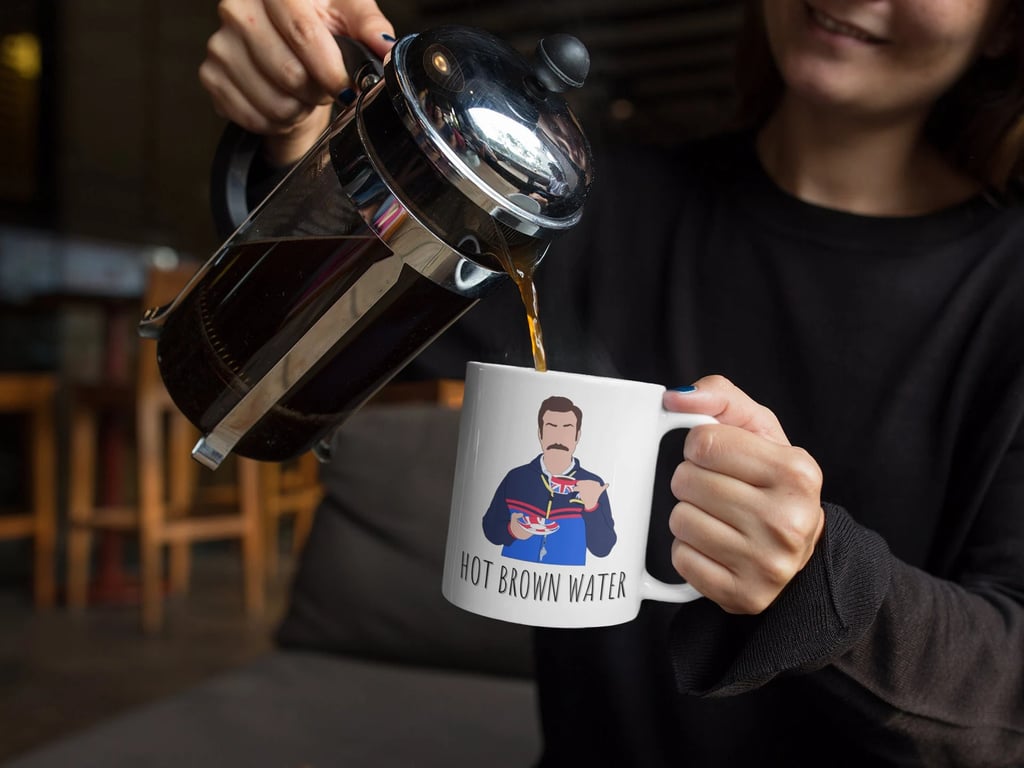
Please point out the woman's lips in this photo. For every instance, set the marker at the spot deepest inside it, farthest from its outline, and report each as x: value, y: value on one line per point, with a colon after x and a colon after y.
x: 841, y: 28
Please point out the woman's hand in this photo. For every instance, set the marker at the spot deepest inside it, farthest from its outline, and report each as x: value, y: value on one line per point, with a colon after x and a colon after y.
x: 274, y: 68
x: 749, y: 504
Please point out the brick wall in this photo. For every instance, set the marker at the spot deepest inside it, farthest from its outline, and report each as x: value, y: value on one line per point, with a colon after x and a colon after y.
x: 136, y: 131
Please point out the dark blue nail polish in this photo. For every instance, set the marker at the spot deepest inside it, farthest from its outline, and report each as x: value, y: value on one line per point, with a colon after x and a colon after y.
x: 347, y: 96
x: 388, y: 37
x: 685, y: 390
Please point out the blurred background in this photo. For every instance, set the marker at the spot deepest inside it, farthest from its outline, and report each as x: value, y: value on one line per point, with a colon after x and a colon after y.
x: 106, y: 140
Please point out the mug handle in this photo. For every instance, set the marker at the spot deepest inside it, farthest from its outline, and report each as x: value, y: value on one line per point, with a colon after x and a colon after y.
x: 237, y: 147
x: 650, y: 587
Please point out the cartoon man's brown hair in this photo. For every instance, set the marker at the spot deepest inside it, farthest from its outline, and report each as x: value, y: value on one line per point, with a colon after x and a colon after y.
x: 559, y: 405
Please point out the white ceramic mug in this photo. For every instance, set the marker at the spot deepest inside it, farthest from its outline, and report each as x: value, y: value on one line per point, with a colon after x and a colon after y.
x: 552, y: 497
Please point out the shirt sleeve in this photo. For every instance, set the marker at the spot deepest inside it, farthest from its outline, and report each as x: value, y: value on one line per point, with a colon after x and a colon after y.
x: 496, y: 518
x: 933, y: 667
x: 600, y: 526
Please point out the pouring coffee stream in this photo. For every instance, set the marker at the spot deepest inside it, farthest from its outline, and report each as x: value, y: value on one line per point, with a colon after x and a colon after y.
x: 454, y: 168
x: 521, y: 271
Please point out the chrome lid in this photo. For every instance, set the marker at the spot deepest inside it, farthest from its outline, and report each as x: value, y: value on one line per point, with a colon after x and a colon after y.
x: 494, y: 124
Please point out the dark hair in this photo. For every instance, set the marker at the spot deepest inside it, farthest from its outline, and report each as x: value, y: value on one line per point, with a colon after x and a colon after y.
x: 559, y: 405
x: 978, y: 123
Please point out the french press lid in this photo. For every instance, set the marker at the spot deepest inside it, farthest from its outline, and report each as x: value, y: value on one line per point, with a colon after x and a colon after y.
x: 495, y: 125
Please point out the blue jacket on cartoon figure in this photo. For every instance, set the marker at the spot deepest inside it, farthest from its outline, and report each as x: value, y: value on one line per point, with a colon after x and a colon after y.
x: 531, y: 490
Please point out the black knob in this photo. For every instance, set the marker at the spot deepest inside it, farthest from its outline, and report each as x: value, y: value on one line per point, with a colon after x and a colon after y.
x: 562, y: 62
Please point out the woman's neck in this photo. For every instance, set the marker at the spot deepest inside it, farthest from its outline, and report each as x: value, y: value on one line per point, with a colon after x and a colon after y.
x: 878, y: 169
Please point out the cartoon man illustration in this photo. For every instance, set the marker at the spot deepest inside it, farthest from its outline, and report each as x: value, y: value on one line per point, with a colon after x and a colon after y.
x: 552, y: 510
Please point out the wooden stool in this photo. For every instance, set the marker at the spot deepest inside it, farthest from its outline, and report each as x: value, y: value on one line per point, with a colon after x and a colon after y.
x: 166, y: 486
x: 33, y: 394
x: 292, y: 489
x: 277, y: 490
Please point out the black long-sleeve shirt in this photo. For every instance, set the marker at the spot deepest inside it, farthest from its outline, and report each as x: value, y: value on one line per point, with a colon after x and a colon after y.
x: 892, y: 349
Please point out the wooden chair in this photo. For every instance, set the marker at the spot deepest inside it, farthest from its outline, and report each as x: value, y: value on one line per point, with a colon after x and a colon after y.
x: 166, y: 486
x: 294, y: 489
x: 289, y: 489
x: 33, y: 396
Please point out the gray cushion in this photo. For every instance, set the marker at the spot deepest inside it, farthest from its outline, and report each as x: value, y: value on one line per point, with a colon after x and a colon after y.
x: 369, y: 580
x: 300, y: 709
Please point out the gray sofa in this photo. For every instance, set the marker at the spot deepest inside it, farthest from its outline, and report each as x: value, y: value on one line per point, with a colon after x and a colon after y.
x: 372, y: 666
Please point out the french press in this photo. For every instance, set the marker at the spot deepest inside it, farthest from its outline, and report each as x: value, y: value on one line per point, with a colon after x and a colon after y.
x: 457, y: 157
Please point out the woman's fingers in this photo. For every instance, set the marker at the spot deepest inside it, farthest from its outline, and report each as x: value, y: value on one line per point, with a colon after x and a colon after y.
x: 746, y: 456
x: 305, y: 30
x: 361, y: 19
x: 272, y: 63
x: 717, y: 396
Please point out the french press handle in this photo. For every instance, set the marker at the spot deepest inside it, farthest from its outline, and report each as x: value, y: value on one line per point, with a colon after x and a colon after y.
x: 238, y: 148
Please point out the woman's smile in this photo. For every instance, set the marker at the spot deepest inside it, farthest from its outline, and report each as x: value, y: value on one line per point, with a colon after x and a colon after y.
x: 834, y: 27
x: 876, y: 57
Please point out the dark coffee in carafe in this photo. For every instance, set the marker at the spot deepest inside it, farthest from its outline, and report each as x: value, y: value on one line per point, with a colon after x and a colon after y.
x: 220, y: 343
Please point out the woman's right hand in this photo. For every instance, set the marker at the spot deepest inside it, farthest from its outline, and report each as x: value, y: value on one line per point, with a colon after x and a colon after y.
x: 274, y: 68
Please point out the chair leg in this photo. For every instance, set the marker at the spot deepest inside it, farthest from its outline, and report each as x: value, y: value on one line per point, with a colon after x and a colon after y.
x: 271, y: 546
x: 79, y: 549
x: 81, y: 498
x: 303, y: 525
x: 253, y: 551
x: 270, y: 518
x: 307, y: 477
x: 181, y: 477
x: 44, y: 501
x: 151, y: 511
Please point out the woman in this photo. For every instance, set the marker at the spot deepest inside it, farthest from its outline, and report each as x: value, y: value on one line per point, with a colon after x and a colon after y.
x: 852, y: 261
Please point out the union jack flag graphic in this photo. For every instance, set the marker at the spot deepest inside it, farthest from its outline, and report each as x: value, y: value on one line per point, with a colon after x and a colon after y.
x: 563, y: 484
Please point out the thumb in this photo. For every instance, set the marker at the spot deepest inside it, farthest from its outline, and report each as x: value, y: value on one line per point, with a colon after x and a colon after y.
x: 718, y: 397
x: 364, y: 21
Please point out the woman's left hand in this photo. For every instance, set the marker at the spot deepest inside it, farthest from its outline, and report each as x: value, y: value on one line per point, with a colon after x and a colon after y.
x: 749, y: 504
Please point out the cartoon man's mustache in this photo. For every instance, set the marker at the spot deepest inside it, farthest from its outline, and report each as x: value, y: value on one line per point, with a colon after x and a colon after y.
x: 557, y: 447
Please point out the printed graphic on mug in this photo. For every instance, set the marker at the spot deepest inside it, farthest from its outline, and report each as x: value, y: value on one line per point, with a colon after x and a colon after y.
x: 552, y: 510
x: 551, y: 500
